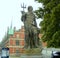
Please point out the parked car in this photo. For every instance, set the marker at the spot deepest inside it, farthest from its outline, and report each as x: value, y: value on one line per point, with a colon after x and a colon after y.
x: 55, y: 54
x: 5, y: 53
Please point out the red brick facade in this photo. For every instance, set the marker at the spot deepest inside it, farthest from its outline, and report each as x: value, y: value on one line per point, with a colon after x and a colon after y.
x: 15, y: 43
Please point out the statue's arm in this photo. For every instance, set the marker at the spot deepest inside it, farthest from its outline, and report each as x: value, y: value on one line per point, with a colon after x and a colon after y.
x: 35, y: 23
x: 23, y: 17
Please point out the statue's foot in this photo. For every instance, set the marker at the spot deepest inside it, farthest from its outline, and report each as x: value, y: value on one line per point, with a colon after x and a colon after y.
x: 36, y: 46
x: 26, y: 47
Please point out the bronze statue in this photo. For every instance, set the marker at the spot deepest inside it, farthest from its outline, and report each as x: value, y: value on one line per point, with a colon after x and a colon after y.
x: 30, y: 25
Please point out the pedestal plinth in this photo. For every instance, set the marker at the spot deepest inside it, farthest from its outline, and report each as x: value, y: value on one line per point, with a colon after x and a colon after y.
x: 32, y: 53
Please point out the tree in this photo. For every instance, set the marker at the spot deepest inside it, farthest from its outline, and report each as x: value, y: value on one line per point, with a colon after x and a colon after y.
x: 50, y: 26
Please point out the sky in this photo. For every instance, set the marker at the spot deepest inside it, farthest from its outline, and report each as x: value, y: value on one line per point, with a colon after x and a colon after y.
x: 10, y: 10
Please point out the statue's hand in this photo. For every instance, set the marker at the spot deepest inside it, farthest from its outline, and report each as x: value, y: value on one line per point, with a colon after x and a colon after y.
x: 22, y: 12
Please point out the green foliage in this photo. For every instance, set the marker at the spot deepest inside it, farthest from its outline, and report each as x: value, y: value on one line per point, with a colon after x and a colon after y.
x: 40, y: 13
x: 50, y: 26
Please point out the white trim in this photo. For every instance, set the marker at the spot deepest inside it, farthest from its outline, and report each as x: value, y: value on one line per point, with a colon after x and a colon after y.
x: 17, y: 39
x: 16, y: 46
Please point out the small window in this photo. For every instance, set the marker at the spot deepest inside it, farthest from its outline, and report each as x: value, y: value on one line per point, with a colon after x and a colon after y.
x: 17, y: 51
x: 17, y: 42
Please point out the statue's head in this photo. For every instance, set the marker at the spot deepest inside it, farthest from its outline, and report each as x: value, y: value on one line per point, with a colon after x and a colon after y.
x: 30, y: 8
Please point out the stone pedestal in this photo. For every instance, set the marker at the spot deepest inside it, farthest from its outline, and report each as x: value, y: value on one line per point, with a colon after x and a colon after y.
x: 32, y: 53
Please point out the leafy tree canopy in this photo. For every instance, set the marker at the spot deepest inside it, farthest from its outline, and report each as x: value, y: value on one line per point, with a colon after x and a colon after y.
x: 50, y: 26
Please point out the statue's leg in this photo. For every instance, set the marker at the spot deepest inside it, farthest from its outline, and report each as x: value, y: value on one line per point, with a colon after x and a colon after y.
x: 30, y: 38
x: 31, y: 42
x: 26, y: 38
x: 36, y: 39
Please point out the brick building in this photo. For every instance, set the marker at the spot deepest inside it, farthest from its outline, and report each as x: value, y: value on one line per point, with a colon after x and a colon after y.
x: 14, y: 40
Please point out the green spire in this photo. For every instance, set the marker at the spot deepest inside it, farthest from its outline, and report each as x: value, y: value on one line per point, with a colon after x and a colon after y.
x: 11, y: 30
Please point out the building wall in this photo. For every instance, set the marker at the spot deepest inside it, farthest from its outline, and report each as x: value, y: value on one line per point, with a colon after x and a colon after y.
x: 17, y: 36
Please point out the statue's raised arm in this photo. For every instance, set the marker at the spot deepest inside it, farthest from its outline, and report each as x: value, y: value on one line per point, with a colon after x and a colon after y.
x: 23, y: 12
x: 23, y: 17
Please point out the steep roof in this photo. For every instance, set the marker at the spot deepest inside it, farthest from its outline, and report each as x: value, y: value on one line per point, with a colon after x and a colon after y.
x: 10, y: 31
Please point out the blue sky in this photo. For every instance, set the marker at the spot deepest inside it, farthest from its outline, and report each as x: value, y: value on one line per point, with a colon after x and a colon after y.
x: 10, y: 10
